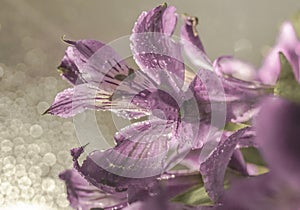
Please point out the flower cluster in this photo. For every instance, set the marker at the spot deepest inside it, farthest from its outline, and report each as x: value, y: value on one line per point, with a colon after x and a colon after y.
x: 252, y: 149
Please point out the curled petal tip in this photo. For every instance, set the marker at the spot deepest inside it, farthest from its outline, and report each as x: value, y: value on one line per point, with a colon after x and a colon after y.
x: 46, y: 112
x: 63, y: 38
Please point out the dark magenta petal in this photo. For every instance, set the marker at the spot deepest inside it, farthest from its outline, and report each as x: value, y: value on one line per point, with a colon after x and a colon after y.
x: 192, y: 44
x: 152, y: 46
x: 85, y: 196
x: 213, y: 169
x: 278, y: 131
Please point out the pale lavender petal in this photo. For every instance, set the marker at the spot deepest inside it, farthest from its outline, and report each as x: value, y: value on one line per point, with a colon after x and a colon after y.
x: 192, y: 44
x: 152, y: 46
x: 270, y: 69
x: 288, y: 44
x: 85, y: 196
x: 228, y: 66
x: 278, y: 131
x: 73, y: 101
x: 213, y: 169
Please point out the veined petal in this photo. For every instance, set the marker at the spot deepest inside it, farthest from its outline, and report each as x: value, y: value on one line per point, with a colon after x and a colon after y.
x: 152, y: 45
x: 192, y: 43
x: 75, y: 58
x: 75, y: 100
x: 213, y: 169
x: 102, y: 179
x: 85, y: 196
x: 100, y: 66
x: 137, y: 159
x: 71, y: 102
x: 93, y: 62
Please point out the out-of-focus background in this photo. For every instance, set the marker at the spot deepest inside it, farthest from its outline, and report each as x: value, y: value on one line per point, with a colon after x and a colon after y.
x: 35, y: 148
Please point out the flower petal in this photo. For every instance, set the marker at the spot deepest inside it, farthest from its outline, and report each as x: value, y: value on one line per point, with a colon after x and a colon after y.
x: 152, y: 45
x: 75, y: 100
x: 288, y: 44
x: 228, y: 66
x: 257, y: 193
x: 84, y: 196
x: 93, y: 62
x: 192, y: 43
x: 102, y: 179
x: 278, y: 131
x: 213, y: 169
x: 71, y: 102
x: 139, y: 157
x: 241, y: 96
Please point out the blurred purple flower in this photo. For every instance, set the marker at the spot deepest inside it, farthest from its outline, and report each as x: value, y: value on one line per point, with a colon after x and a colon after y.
x: 278, y: 133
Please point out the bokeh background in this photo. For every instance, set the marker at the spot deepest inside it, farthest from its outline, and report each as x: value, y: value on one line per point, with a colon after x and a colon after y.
x: 35, y: 148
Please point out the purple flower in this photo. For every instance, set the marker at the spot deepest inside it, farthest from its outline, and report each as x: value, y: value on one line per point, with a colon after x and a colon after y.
x: 277, y: 129
x: 183, y: 106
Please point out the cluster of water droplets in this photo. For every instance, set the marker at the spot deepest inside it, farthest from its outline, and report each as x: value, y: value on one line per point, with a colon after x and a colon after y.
x: 34, y: 148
